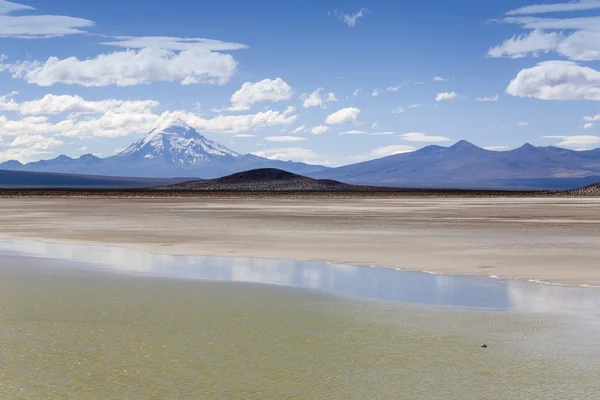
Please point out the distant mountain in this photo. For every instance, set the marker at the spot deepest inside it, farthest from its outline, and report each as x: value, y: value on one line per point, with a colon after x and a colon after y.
x: 465, y: 165
x: 265, y: 179
x: 28, y: 179
x: 173, y: 149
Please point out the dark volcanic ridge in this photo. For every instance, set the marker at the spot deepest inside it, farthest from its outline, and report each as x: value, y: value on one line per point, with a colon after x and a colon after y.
x: 268, y: 180
x: 590, y: 190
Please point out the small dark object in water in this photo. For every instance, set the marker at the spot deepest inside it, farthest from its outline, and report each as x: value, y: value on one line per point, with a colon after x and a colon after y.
x: 484, y: 346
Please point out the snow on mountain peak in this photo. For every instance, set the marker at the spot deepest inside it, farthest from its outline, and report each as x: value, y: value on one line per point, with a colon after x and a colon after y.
x: 175, y: 142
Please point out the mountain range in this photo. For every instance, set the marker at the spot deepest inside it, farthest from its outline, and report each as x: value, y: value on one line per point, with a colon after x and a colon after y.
x: 175, y: 149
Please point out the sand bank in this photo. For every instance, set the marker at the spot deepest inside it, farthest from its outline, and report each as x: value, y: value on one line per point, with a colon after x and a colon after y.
x: 551, y: 239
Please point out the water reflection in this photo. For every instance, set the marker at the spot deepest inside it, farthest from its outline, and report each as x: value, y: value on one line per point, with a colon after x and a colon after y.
x: 366, y: 282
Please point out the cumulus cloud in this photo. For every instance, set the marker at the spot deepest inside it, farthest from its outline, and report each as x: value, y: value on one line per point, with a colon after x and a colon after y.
x: 439, y: 79
x: 173, y: 43
x: 578, y: 141
x: 317, y: 130
x: 577, y: 5
x: 129, y: 68
x: 350, y: 19
x: 375, y: 93
x: 446, y: 96
x: 346, y: 115
x: 391, y: 150
x: 297, y: 154
x: 488, y: 98
x: 316, y: 99
x: 122, y: 121
x: 423, y: 137
x: 37, y: 26
x: 393, y: 88
x: 265, y: 90
x: 588, y: 125
x: 58, y: 104
x: 21, y: 154
x: 398, y: 110
x: 556, y: 80
x: 36, y: 142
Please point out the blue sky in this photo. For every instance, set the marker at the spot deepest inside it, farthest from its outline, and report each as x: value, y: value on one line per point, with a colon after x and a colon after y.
x: 323, y: 82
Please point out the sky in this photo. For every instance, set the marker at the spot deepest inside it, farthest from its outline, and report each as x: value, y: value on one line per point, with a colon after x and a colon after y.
x: 327, y: 82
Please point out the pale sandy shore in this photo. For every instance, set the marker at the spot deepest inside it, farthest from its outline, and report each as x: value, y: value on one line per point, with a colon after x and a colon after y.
x: 555, y: 240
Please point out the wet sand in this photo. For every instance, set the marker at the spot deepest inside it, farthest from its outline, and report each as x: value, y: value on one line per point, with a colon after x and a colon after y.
x: 556, y: 240
x: 72, y: 332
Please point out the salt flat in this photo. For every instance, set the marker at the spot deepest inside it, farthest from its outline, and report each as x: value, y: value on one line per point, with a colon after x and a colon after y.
x: 552, y: 239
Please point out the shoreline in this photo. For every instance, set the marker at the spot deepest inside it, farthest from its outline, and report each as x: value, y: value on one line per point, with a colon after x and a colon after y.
x: 147, y: 250
x: 439, y: 236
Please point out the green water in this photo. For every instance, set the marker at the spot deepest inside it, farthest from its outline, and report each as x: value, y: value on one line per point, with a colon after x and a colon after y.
x: 84, y: 335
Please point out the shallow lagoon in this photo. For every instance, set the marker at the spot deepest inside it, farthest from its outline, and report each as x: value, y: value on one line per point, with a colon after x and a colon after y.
x: 97, y: 322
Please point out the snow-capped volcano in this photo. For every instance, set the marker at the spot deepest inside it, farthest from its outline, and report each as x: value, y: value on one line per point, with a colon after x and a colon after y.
x: 175, y: 142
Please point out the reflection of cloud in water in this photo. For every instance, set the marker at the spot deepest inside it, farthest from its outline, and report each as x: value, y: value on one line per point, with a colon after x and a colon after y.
x: 366, y: 282
x: 553, y: 299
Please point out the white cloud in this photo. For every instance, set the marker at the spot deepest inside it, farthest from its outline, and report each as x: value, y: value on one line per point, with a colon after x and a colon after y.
x: 446, y: 96
x: 37, y: 26
x: 6, y: 7
x: 521, y: 46
x: 285, y: 138
x: 375, y: 92
x: 355, y: 93
x: 374, y: 125
x: 592, y: 118
x: 353, y: 132
x: 36, y: 142
x: 423, y: 137
x: 346, y: 115
x: 497, y: 148
x: 557, y: 80
x: 391, y: 150
x: 384, y: 133
x: 297, y: 154
x: 315, y: 99
x: 589, y: 125
x: 523, y: 123
x: 299, y: 129
x: 21, y: 154
x: 116, y: 124
x: 265, y: 90
x: 82, y: 148
x: 576, y: 5
x: 317, y: 130
x: 581, y: 45
x: 398, y: 110
x: 439, y: 79
x: 350, y: 19
x: 488, y: 98
x: 173, y: 43
x: 244, y: 135
x: 58, y: 104
x: 577, y: 141
x: 128, y: 68
x: 393, y: 88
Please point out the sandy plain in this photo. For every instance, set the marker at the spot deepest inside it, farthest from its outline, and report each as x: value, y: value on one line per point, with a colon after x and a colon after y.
x: 550, y: 239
